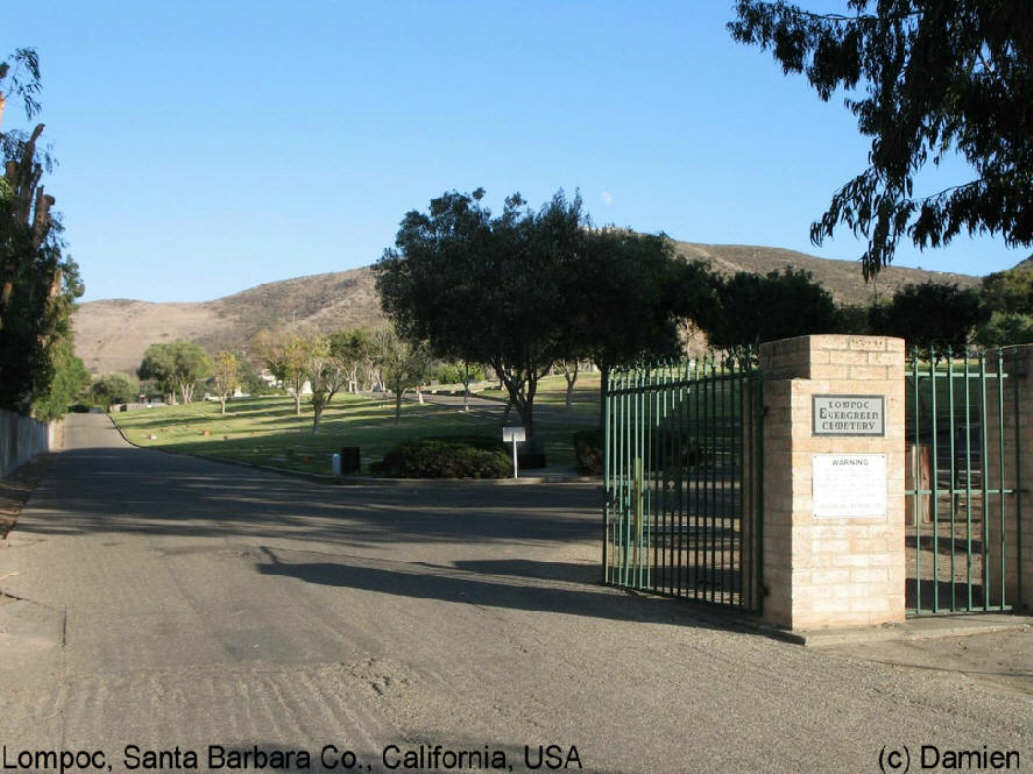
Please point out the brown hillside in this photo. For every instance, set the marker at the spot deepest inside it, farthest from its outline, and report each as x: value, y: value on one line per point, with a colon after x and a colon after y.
x: 841, y: 278
x: 112, y: 335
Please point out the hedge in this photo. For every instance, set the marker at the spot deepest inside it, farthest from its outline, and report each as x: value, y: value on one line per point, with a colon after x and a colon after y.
x: 446, y: 457
x: 588, y: 451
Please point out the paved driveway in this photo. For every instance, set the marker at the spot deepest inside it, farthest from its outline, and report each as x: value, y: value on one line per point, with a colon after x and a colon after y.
x: 170, y: 601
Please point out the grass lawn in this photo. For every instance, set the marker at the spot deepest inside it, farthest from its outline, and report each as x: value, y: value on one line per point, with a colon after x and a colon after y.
x: 266, y: 431
x: 552, y: 391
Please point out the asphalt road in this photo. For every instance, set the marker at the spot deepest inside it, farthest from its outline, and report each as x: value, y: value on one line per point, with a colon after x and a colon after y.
x: 169, y: 601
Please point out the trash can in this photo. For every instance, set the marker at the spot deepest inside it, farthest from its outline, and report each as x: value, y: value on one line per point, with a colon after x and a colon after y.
x: 349, y: 459
x: 531, y: 454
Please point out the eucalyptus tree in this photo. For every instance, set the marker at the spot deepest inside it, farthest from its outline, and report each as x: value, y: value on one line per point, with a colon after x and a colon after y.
x: 939, y: 77
x: 38, y: 284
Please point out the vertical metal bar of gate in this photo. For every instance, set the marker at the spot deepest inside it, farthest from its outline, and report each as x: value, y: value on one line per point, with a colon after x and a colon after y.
x: 683, y: 450
x: 1000, y: 465
x: 953, y: 478
x: 916, y: 478
x: 968, y: 482
x: 1019, y: 599
x: 984, y: 457
x: 934, y: 480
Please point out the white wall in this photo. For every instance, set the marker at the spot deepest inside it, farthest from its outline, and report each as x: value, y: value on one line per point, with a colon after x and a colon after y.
x: 21, y: 439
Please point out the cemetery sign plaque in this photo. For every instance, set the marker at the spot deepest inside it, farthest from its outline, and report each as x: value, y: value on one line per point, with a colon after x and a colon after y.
x: 849, y: 415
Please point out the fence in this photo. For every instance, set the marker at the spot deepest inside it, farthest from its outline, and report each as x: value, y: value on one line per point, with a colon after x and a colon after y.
x: 21, y: 439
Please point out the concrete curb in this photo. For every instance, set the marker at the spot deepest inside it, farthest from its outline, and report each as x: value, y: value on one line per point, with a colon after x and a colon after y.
x: 330, y: 480
x: 924, y: 628
x: 929, y: 627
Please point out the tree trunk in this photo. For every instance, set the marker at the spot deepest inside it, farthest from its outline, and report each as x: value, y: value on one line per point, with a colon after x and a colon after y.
x: 527, y: 416
x: 317, y: 414
x: 466, y: 387
x: 571, y: 377
x: 297, y: 402
x: 222, y: 404
x: 398, y: 405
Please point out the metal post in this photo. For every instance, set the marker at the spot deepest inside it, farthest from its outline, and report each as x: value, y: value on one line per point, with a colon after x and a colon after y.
x: 934, y: 481
x: 1000, y: 465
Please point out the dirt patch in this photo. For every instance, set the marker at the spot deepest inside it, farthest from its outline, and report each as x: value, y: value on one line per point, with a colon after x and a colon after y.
x: 16, y: 489
x: 1002, y: 661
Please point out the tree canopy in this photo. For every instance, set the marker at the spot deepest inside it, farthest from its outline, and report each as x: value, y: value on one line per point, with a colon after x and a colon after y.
x: 69, y: 381
x: 176, y: 367
x: 626, y: 288
x: 38, y: 284
x: 485, y: 288
x: 930, y: 314
x: 525, y: 289
x: 403, y: 365
x: 112, y: 388
x: 287, y: 356
x: 225, y: 376
x: 1011, y: 290
x: 746, y: 308
x: 939, y: 77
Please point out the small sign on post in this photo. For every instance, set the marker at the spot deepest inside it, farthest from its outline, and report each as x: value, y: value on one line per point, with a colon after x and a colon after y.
x: 515, y: 435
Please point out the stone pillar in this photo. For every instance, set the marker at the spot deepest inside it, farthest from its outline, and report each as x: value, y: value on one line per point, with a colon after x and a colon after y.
x: 825, y: 570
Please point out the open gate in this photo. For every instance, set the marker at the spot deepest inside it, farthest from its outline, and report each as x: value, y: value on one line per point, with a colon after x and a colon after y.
x: 962, y: 529
x: 683, y: 490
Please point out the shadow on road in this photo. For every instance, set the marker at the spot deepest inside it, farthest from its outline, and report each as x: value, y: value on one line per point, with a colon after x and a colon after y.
x: 525, y: 568
x: 128, y: 490
x: 425, y: 581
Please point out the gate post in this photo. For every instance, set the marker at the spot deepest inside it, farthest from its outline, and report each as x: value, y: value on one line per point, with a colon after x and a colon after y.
x: 833, y: 545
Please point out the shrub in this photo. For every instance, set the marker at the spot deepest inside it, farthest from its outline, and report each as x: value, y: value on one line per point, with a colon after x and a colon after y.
x: 1004, y: 328
x: 112, y: 388
x: 588, y: 451
x: 446, y: 457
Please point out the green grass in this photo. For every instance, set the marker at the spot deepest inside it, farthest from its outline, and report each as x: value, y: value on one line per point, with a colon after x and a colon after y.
x: 265, y: 431
x: 552, y: 392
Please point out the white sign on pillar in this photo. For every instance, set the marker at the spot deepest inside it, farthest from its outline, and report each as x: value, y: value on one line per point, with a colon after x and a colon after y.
x: 515, y: 435
x: 848, y: 486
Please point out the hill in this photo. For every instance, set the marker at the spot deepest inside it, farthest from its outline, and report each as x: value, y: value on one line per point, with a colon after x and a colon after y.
x: 841, y: 278
x: 112, y: 335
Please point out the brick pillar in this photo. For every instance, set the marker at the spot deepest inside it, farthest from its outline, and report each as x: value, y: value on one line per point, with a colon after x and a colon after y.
x: 1017, y: 474
x: 824, y: 570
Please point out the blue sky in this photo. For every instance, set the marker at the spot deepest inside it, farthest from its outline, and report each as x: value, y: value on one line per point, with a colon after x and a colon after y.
x: 206, y: 147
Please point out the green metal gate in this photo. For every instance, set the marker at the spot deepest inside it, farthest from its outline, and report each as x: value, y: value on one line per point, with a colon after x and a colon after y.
x: 683, y: 489
x: 962, y: 491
